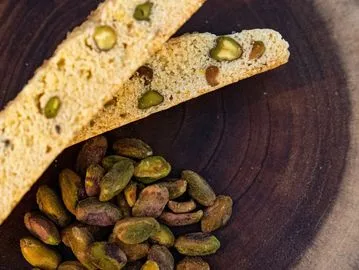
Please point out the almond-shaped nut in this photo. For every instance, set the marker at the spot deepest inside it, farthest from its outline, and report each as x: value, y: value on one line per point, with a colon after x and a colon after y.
x: 135, y: 230
x: 94, y: 174
x: 162, y: 256
x: 150, y: 265
x: 38, y: 254
x: 163, y: 236
x: 198, y: 188
x: 217, y: 215
x: 42, y: 227
x: 109, y: 161
x: 115, y: 181
x: 71, y: 265
x: 172, y: 219
x: 192, y: 263
x: 132, y: 148
x: 197, y: 244
x: 92, y: 152
x: 72, y: 189
x: 152, y: 169
x: 51, y: 205
x: 107, y: 256
x: 176, y: 187
x: 133, y: 252
x: 182, y: 207
x: 93, y: 212
x: 123, y: 205
x: 130, y: 193
x: 258, y: 49
x: 212, y: 73
x: 151, y: 202
x: 105, y: 37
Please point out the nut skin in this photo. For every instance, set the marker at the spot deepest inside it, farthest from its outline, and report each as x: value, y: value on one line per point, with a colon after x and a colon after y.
x: 163, y: 236
x: 94, y: 174
x: 130, y: 193
x: 212, y: 73
x: 109, y: 161
x: 135, y: 230
x: 182, y: 207
x: 51, y: 205
x: 72, y: 189
x: 123, y: 205
x: 176, y: 187
x: 132, y: 148
x: 226, y: 49
x: 107, y: 256
x: 115, y: 181
x: 42, y: 227
x: 146, y: 73
x: 162, y: 256
x: 172, y: 219
x: 197, y: 244
x: 105, y: 37
x: 38, y: 254
x: 92, y: 152
x: 150, y: 99
x: 150, y: 265
x: 258, y: 49
x: 217, y: 215
x: 52, y: 107
x: 143, y: 11
x: 71, y: 265
x: 151, y: 202
x: 152, y: 169
x: 192, y: 263
x: 198, y: 188
x: 78, y: 237
x: 93, y: 212
x: 133, y: 252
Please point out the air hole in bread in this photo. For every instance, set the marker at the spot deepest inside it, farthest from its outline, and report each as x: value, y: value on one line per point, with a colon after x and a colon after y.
x: 38, y: 103
x: 61, y: 64
x: 48, y: 149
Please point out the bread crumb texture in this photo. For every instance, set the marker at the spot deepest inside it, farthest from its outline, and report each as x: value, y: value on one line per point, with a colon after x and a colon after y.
x: 178, y: 73
x: 83, y: 74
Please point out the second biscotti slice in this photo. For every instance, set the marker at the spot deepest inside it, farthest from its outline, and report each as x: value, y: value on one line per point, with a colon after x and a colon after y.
x: 187, y: 67
x: 86, y: 70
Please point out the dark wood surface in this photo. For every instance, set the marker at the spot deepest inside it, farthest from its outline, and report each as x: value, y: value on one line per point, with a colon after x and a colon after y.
x: 276, y: 143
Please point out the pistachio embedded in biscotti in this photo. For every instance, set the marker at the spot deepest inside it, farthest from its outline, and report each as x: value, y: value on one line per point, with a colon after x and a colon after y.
x: 105, y: 37
x: 52, y: 107
x: 211, y: 75
x: 226, y: 49
x: 149, y: 99
x: 143, y: 11
x: 258, y: 50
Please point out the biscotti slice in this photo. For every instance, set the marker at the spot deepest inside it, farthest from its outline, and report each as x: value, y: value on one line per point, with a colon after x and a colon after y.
x: 184, y: 69
x: 84, y: 73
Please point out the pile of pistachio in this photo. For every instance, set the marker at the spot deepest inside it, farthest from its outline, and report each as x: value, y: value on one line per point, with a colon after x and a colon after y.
x: 124, y: 213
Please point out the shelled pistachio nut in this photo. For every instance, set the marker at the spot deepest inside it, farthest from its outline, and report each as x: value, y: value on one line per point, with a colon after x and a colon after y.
x: 197, y: 244
x: 152, y: 169
x: 94, y: 174
x: 192, y: 263
x: 135, y: 230
x: 198, y: 188
x: 150, y: 265
x: 143, y: 11
x: 150, y: 99
x: 92, y: 152
x: 38, y: 254
x: 116, y: 180
x: 130, y: 193
x: 151, y: 202
x: 226, y: 49
x: 133, y: 252
x: 42, y: 227
x: 258, y: 49
x: 125, y: 209
x: 51, y: 205
x: 71, y: 265
x: 176, y: 187
x: 107, y: 256
x: 105, y: 37
x: 163, y: 236
x: 182, y: 207
x: 93, y: 212
x: 162, y: 256
x: 172, y: 219
x: 72, y: 189
x: 132, y: 148
x: 217, y: 215
x: 108, y: 162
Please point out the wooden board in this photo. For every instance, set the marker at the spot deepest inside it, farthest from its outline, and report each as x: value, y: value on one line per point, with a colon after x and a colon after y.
x: 284, y: 145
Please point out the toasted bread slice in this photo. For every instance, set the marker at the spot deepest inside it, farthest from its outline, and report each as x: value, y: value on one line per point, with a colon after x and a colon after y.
x: 84, y: 73
x: 179, y: 74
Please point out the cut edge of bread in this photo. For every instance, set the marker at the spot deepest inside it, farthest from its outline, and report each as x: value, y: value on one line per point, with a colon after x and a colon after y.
x: 179, y: 75
x: 84, y: 78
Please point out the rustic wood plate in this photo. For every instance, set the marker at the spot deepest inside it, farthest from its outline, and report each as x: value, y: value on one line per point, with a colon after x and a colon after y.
x: 283, y: 144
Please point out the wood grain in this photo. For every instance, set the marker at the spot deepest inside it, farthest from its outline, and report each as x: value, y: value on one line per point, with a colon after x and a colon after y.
x: 277, y: 143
